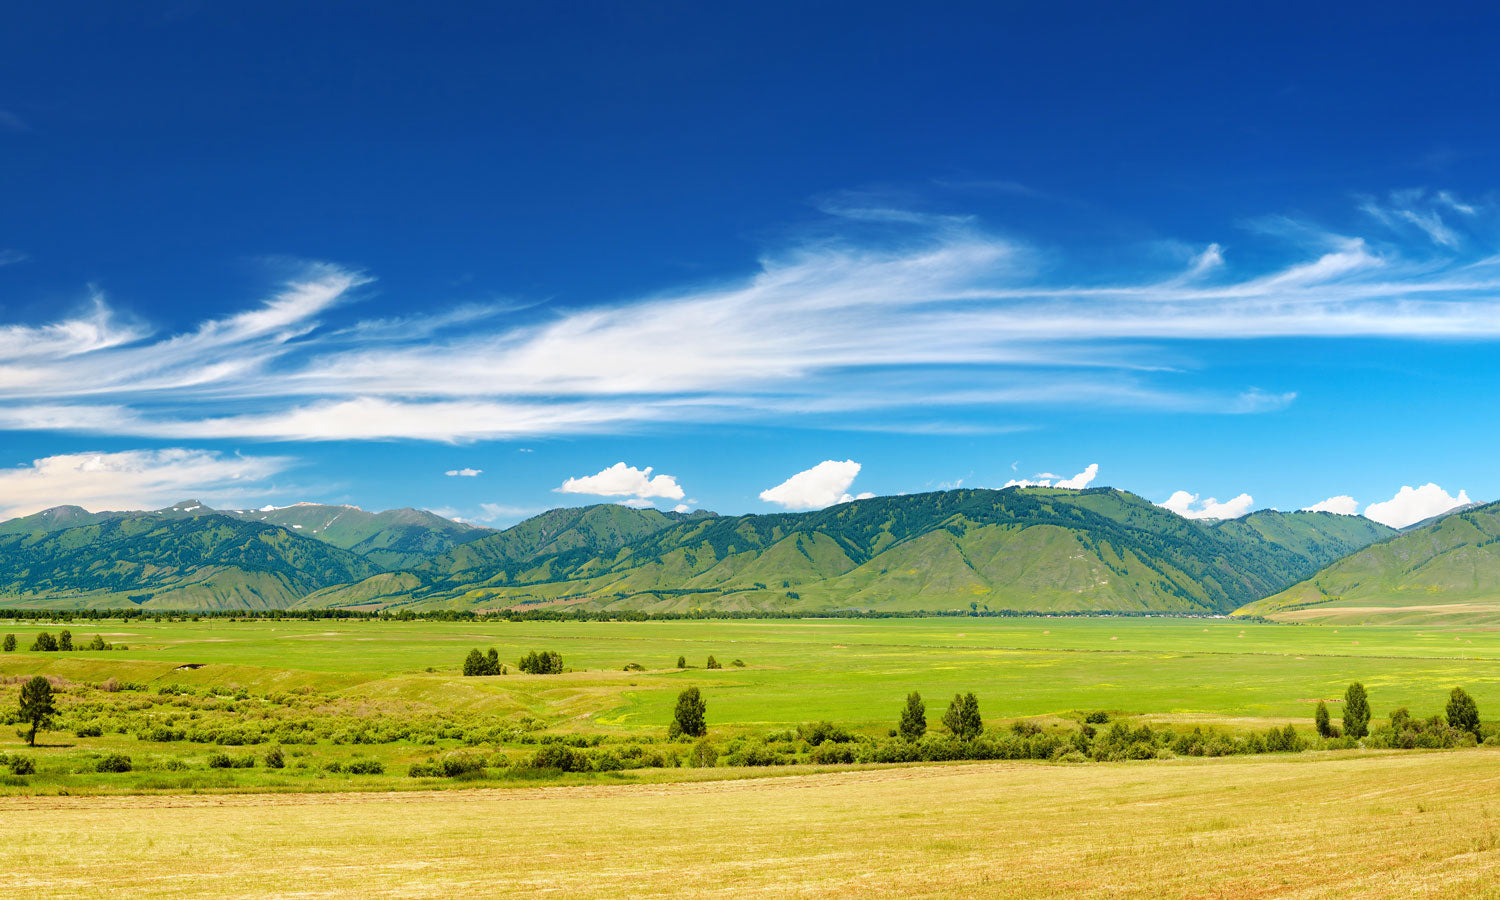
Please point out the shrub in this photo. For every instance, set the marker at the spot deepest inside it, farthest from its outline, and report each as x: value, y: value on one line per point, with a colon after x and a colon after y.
x: 458, y: 765
x: 22, y: 765
x: 560, y: 757
x: 821, y: 732
x: 114, y: 762
x: 1098, y: 717
x: 634, y: 667
x: 713, y: 663
x: 90, y: 729
x: 704, y: 755
x: 831, y: 753
x: 111, y: 685
x: 275, y: 759
x: 364, y: 767
x: 755, y: 755
x: 424, y: 770
x: 220, y: 761
x: 738, y: 664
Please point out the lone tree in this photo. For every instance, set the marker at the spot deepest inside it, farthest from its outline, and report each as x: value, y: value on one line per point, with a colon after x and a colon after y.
x: 688, y: 717
x: 36, y: 706
x: 1320, y: 719
x: 682, y: 662
x: 913, y: 718
x: 1463, y: 713
x: 962, y: 717
x: 1356, y: 711
x: 713, y: 663
x: 10, y: 643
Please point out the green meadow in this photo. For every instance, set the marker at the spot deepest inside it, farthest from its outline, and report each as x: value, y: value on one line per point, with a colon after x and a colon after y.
x: 851, y: 671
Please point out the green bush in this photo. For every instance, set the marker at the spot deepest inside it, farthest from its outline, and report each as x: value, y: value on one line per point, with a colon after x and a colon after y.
x: 560, y: 757
x: 89, y: 729
x: 220, y: 761
x: 22, y: 765
x: 459, y: 765
x: 275, y: 759
x: 114, y: 762
x: 364, y: 767
x: 547, y: 662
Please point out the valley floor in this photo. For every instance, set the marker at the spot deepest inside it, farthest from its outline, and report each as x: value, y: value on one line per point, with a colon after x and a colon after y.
x: 1351, y: 824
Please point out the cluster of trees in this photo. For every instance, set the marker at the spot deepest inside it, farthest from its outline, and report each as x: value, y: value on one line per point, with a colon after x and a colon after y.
x: 962, y: 718
x: 477, y: 663
x: 46, y: 643
x: 1461, y: 715
x: 546, y: 662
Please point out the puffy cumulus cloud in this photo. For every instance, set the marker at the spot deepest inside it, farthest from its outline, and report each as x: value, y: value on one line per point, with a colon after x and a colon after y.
x: 1047, y: 479
x: 133, y: 479
x: 1412, y: 505
x: 620, y: 480
x: 1343, y: 504
x: 823, y: 485
x: 1190, y: 507
x: 682, y: 508
x: 637, y: 503
x: 464, y: 473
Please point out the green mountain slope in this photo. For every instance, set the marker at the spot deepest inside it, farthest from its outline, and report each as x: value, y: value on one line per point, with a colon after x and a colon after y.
x: 55, y: 519
x: 1026, y: 549
x: 1448, y: 569
x: 165, y: 561
x: 602, y: 528
x: 393, y: 539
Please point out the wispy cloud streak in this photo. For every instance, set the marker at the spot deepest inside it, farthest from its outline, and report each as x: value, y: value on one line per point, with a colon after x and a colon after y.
x: 955, y: 317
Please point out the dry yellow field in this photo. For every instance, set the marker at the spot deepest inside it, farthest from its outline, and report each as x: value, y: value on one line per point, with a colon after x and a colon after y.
x: 1346, y: 825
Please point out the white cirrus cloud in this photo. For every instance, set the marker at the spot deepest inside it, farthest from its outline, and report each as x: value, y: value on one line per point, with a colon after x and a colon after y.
x: 133, y: 479
x: 1342, y: 504
x: 823, y: 485
x: 1413, y: 504
x: 952, y: 319
x: 1047, y: 479
x: 1189, y: 506
x: 620, y: 480
x: 464, y: 473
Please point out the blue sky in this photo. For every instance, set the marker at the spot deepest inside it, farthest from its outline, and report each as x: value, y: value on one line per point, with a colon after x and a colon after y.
x: 335, y: 251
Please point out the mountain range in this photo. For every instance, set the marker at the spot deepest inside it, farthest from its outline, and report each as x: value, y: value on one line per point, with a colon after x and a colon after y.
x: 1024, y: 549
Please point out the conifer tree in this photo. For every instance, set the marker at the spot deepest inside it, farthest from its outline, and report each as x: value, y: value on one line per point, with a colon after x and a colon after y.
x: 1320, y: 720
x: 1356, y: 711
x: 37, y: 708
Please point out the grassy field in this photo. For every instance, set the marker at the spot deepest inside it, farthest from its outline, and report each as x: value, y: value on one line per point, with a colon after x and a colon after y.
x: 349, y: 684
x: 1311, y: 826
x: 846, y: 670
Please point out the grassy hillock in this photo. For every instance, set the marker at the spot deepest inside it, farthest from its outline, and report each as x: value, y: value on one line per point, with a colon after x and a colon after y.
x: 1448, y: 569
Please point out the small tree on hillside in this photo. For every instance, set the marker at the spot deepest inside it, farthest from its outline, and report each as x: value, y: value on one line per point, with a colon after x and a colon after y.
x: 1320, y: 720
x: 913, y: 722
x: 10, y: 643
x: 962, y: 717
x: 1463, y: 712
x: 474, y: 663
x: 36, y: 706
x: 688, y: 718
x: 1356, y: 711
